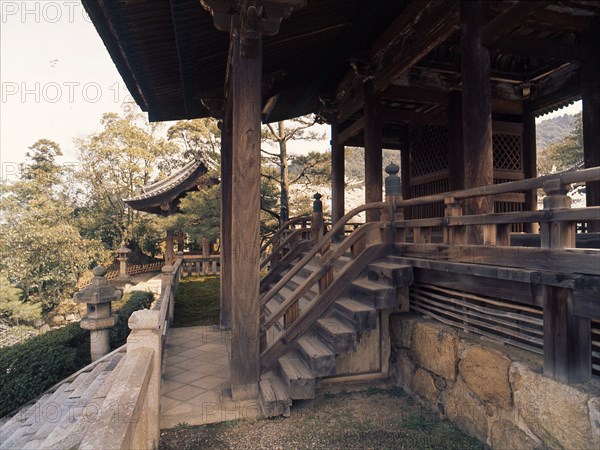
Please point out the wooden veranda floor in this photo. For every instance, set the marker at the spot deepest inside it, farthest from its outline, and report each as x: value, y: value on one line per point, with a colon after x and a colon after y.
x: 196, y: 379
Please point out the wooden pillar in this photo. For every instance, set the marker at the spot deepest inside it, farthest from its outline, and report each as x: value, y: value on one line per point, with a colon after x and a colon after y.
x: 405, y: 161
x: 590, y: 90
x: 180, y: 241
x: 226, y: 215
x: 337, y: 175
x: 567, y: 345
x: 169, y: 256
x: 529, y: 161
x: 477, y: 115
x: 373, y: 151
x: 245, y: 222
x: 456, y: 154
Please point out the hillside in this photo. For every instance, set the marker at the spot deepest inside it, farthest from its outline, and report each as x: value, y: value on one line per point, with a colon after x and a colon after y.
x: 553, y: 130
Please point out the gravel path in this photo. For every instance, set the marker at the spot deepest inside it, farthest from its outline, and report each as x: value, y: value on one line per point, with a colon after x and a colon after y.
x: 373, y: 417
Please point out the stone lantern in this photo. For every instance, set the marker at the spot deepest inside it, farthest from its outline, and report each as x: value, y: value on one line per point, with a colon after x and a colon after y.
x: 122, y: 253
x: 98, y: 297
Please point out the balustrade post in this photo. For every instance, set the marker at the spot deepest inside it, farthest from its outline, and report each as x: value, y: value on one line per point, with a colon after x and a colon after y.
x: 166, y: 285
x: 316, y: 222
x: 567, y: 338
x: 454, y: 235
x: 146, y: 332
x: 393, y: 194
x: 205, y: 255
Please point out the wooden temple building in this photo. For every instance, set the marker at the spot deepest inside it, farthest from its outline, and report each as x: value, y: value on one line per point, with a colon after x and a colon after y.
x: 455, y: 87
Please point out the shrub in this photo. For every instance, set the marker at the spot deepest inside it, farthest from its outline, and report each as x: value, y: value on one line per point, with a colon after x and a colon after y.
x: 29, y: 368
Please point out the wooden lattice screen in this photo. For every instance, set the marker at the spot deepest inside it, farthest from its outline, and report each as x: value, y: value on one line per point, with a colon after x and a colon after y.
x: 429, y: 166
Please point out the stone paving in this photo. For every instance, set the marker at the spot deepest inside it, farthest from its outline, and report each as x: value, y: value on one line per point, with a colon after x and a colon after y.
x: 196, y: 379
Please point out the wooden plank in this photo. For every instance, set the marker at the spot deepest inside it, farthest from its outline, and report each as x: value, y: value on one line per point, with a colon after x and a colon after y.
x: 568, y: 261
x: 456, y: 161
x: 586, y: 304
x: 477, y: 113
x: 416, y: 94
x: 396, y: 115
x: 509, y: 290
x: 373, y: 150
x: 245, y: 222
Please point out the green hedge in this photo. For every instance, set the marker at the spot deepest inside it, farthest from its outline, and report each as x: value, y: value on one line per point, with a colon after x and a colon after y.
x: 30, y: 368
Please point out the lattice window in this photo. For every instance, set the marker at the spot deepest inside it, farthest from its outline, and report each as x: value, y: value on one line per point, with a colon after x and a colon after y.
x: 507, y: 151
x: 429, y: 150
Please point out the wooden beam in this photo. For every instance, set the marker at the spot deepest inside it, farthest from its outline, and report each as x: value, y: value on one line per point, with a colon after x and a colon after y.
x: 352, y: 101
x: 528, y: 47
x: 477, y: 114
x: 351, y: 131
x: 435, y: 24
x: 396, y: 115
x: 245, y: 223
x: 509, y: 19
x: 337, y: 174
x: 373, y: 150
x: 420, y: 95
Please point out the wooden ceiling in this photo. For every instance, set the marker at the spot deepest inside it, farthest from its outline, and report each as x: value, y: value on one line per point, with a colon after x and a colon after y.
x: 174, y: 61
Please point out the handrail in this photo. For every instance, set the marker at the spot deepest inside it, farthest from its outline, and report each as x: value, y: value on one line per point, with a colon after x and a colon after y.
x: 282, y: 228
x: 317, y: 248
x: 317, y: 275
x: 281, y: 245
x: 580, y: 176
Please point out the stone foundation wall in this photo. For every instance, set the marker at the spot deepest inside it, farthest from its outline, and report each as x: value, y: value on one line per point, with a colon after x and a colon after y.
x: 493, y: 392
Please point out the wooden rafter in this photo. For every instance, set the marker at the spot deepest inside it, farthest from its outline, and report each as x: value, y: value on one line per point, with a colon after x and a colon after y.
x: 506, y: 21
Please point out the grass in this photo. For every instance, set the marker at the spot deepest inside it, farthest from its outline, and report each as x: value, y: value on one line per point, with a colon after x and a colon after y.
x: 197, y: 301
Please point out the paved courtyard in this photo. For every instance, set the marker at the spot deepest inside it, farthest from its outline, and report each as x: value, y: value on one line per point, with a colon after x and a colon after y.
x: 196, y: 384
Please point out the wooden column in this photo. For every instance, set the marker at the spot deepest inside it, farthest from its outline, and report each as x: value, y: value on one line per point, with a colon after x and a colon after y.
x: 226, y: 214
x: 169, y: 256
x: 373, y: 151
x: 529, y: 161
x: 337, y: 175
x: 180, y: 245
x: 477, y: 115
x: 247, y: 81
x: 456, y: 153
x: 567, y: 345
x: 590, y: 90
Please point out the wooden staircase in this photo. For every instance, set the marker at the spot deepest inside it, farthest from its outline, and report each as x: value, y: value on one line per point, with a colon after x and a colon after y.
x: 317, y: 353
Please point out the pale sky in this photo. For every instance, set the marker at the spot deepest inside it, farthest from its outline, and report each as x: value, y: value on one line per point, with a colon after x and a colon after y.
x: 57, y: 79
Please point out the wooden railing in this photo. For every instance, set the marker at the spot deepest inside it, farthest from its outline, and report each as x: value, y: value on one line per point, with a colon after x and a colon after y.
x: 135, y: 269
x: 292, y: 231
x: 201, y: 265
x: 542, y: 299
x: 129, y: 416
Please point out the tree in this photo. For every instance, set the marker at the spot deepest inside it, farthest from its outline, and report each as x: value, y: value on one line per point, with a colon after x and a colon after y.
x: 43, y: 253
x: 277, y: 136
x: 565, y: 148
x: 200, y: 138
x: 126, y: 155
x: 12, y: 308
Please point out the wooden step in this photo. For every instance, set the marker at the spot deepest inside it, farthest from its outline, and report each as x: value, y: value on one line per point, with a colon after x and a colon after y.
x: 361, y: 316
x: 393, y: 274
x: 381, y: 296
x: 338, y: 334
x: 273, y: 397
x: 317, y: 355
x: 296, y: 377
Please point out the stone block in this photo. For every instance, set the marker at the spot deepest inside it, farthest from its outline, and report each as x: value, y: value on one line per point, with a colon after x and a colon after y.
x: 435, y: 348
x: 485, y: 371
x: 401, y: 330
x: 505, y: 435
x: 403, y: 369
x: 555, y: 412
x: 594, y: 407
x: 424, y: 386
x: 466, y: 411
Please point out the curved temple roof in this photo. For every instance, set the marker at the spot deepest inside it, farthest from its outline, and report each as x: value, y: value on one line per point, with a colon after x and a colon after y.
x: 163, y: 197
